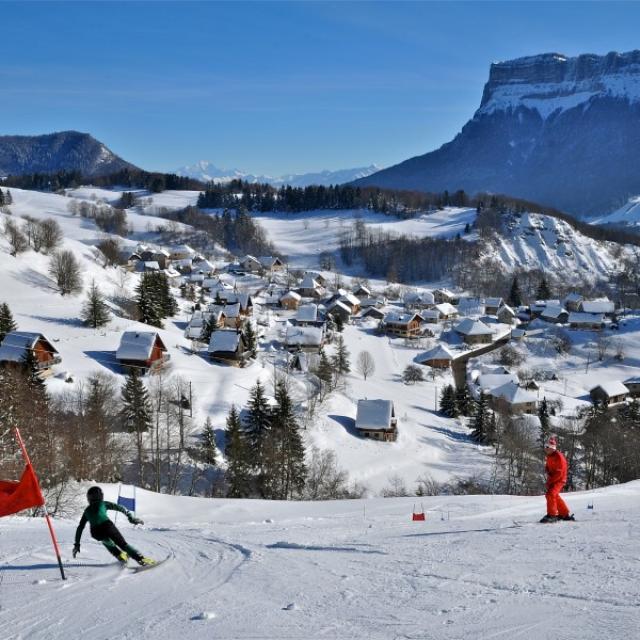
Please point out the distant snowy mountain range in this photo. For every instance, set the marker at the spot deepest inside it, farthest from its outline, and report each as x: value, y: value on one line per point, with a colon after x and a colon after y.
x: 626, y: 216
x: 208, y: 172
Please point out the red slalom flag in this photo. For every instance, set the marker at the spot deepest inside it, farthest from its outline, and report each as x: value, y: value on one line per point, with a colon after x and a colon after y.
x: 17, y: 496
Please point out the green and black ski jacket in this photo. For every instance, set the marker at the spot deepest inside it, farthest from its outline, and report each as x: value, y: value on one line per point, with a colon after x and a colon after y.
x: 96, y: 514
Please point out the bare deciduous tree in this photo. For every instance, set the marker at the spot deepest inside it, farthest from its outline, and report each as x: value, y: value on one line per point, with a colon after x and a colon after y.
x: 50, y: 234
x: 17, y: 239
x: 65, y: 270
x: 366, y: 364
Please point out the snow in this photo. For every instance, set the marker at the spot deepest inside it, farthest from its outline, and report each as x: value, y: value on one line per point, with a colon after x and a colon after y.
x: 477, y: 567
x: 374, y: 414
x: 136, y: 345
x: 613, y: 388
x: 629, y: 214
x: 224, y: 341
x: 15, y: 344
x: 303, y: 236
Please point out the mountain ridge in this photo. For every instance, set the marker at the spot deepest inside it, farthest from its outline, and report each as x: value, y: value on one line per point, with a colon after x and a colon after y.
x: 553, y: 129
x: 59, y: 151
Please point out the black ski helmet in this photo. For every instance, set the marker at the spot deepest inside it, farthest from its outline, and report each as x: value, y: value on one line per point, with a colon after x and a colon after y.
x: 95, y: 494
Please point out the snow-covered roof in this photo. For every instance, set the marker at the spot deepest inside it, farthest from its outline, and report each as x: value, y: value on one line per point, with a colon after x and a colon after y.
x: 513, y: 394
x: 137, y: 345
x: 430, y: 313
x: 340, y: 305
x: 506, y: 308
x: 307, y: 313
x: 304, y: 336
x: 573, y: 297
x: 397, y: 317
x: 309, y: 282
x: 417, y: 297
x: 446, y: 309
x: 439, y: 352
x: 553, y: 311
x: 493, y: 302
x: 374, y: 414
x: 224, y: 341
x: 632, y: 380
x: 612, y: 388
x: 182, y: 248
x: 585, y: 318
x: 268, y: 261
x: 470, y: 327
x: 490, y: 381
x: 15, y: 344
x: 362, y: 289
x: 349, y: 298
x: 597, y: 306
x: 291, y: 295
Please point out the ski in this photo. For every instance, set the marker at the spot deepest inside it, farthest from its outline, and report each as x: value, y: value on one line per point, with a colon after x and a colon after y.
x: 146, y: 567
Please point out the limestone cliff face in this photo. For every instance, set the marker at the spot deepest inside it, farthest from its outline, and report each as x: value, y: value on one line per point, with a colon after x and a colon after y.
x: 560, y: 131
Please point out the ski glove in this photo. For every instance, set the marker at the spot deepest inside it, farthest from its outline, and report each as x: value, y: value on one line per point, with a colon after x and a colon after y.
x: 134, y: 520
x: 76, y: 549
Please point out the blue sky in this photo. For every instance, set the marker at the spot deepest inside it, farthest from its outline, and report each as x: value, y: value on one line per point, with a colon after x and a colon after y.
x: 276, y: 87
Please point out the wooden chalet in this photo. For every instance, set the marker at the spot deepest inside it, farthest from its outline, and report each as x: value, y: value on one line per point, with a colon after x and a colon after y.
x: 339, y: 308
x: 444, y: 295
x: 17, y: 344
x: 586, y: 321
x: 506, y: 314
x: 142, y: 351
x: 491, y: 306
x: 405, y: 325
x: 229, y: 347
x: 438, y: 358
x: 609, y: 392
x: 633, y: 384
x: 376, y: 419
x: 474, y: 332
x: 271, y: 263
x: 290, y: 300
x: 512, y: 398
x: 304, y: 338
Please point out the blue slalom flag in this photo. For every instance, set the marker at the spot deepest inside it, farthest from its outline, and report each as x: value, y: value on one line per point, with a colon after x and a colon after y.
x: 127, y: 503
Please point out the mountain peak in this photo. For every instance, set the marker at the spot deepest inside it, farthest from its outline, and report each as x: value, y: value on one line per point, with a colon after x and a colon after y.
x: 58, y: 151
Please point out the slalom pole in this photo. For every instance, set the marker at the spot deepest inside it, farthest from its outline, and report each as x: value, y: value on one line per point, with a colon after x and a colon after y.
x: 52, y: 533
x: 115, y: 518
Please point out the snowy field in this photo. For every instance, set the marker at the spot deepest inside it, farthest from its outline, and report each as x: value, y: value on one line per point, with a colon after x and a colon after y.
x: 303, y: 236
x: 479, y: 567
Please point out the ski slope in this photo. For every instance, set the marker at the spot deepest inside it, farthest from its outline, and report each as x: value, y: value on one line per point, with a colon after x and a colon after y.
x: 479, y: 567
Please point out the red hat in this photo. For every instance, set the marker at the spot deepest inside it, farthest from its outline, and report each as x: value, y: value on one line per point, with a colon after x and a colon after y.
x: 551, y: 443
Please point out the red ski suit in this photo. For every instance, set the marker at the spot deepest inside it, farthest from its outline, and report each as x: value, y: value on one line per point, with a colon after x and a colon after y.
x: 556, y: 469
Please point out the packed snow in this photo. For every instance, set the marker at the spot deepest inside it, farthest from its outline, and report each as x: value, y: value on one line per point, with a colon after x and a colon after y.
x: 478, y: 567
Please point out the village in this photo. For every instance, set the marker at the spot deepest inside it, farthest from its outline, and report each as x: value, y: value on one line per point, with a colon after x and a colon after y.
x: 258, y: 311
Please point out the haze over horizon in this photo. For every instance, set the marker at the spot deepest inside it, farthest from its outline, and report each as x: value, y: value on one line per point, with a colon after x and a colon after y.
x: 278, y: 87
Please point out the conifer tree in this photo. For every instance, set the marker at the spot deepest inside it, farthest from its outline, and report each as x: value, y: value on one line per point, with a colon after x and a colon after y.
x: 149, y: 306
x: 7, y: 324
x: 290, y: 468
x: 339, y: 322
x: 448, y: 402
x: 481, y: 420
x: 341, y: 358
x: 543, y: 414
x: 238, y: 473
x: 464, y: 401
x: 250, y: 338
x: 515, y: 297
x: 207, y: 450
x: 168, y: 304
x: 258, y: 425
x: 543, y: 292
x: 208, y: 328
x: 325, y: 370
x: 95, y: 312
x: 137, y: 414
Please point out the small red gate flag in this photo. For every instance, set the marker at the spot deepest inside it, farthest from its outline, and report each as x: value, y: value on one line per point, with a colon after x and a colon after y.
x: 17, y: 496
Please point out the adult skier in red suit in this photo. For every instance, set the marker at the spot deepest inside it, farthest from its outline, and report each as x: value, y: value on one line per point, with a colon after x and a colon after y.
x: 556, y: 470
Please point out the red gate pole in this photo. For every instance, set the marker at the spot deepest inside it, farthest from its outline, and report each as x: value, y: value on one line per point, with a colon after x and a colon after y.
x: 54, y: 540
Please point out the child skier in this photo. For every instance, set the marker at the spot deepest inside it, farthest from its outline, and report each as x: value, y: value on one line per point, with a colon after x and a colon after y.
x: 104, y: 530
x: 556, y: 470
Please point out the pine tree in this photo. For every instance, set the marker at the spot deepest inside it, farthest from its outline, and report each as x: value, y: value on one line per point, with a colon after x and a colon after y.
x: 238, y: 473
x: 207, y: 451
x: 149, y: 306
x: 543, y: 414
x: 136, y: 414
x: 168, y: 304
x: 250, y: 338
x: 258, y: 424
x: 325, y: 370
x: 341, y: 358
x: 481, y: 420
x: 95, y: 312
x: 515, y: 298
x: 339, y: 322
x: 7, y: 324
x: 448, y: 402
x: 543, y: 292
x: 208, y: 328
x: 290, y: 472
x: 464, y: 401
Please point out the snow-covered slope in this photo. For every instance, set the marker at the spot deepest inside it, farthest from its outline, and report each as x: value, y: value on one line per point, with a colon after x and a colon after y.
x: 626, y: 216
x: 478, y: 567
x: 208, y: 172
x: 535, y: 241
